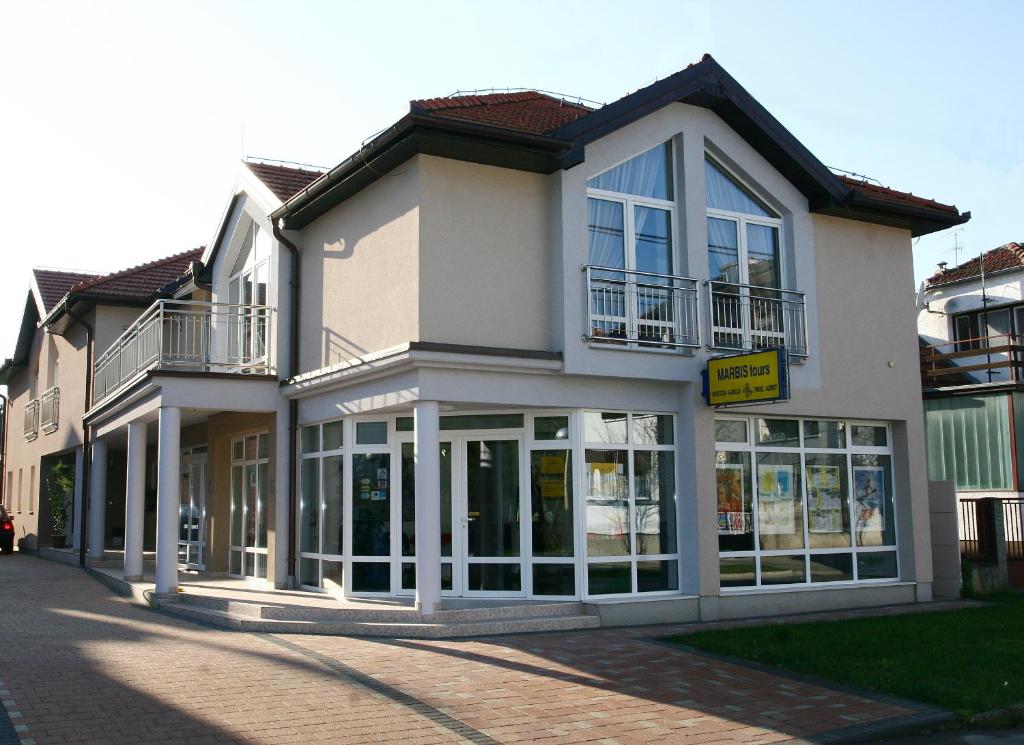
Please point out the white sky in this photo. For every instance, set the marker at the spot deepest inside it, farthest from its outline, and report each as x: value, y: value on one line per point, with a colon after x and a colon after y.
x: 121, y: 123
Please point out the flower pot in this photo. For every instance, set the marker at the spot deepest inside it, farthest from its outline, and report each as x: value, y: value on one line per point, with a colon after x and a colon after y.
x: 59, y: 541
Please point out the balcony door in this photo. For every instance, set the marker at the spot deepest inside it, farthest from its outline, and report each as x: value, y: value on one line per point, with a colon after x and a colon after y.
x: 248, y: 291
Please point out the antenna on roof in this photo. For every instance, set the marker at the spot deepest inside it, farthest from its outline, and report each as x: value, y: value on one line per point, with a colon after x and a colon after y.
x: 958, y: 246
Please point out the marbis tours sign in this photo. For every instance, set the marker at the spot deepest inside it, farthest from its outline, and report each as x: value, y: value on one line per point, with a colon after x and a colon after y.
x: 756, y: 377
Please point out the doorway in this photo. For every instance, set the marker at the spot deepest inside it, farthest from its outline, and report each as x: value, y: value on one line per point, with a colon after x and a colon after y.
x: 192, y: 509
x: 250, y: 471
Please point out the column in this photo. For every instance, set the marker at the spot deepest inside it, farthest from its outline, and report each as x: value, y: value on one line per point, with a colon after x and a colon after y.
x: 282, y: 512
x: 97, y: 499
x: 168, y: 497
x: 76, y: 504
x: 428, y: 507
x: 135, y: 501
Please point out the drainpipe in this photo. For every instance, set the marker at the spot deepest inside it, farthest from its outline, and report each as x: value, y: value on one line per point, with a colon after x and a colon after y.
x: 293, y: 405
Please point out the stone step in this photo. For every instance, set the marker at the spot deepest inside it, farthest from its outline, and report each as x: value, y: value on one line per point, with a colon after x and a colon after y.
x: 409, y: 630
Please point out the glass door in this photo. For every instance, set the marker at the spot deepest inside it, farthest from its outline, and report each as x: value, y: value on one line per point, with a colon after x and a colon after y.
x: 192, y: 509
x: 490, y: 512
x: 250, y: 464
x: 407, y: 569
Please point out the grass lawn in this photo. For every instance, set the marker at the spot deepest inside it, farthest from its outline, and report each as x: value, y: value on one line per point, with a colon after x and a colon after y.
x: 969, y: 660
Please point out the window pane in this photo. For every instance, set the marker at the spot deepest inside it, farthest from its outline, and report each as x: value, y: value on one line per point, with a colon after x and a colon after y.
x: 552, y: 498
x: 237, y: 453
x: 333, y: 527
x: 332, y: 436
x: 483, y: 421
x: 874, y: 523
x: 723, y: 193
x: 604, y: 428
x: 309, y: 571
x: 236, y: 506
x: 409, y: 499
x: 735, y: 501
x: 763, y: 256
x: 309, y: 508
x: 723, y: 251
x: 371, y: 500
x: 828, y: 505
x: 778, y: 433
x: 609, y: 579
x: 652, y: 429
x: 866, y: 435
x: 783, y: 570
x: 647, y: 175
x: 824, y: 434
x: 657, y: 576
x: 780, y: 517
x: 249, y: 499
x: 831, y: 567
x: 737, y: 572
x: 245, y: 250
x: 551, y: 428
x: 653, y: 240
x: 877, y: 565
x: 554, y: 579
x: 492, y: 498
x: 730, y: 430
x: 607, y: 234
x: 371, y: 577
x: 334, y: 575
x: 262, y: 477
x: 655, y: 502
x: 371, y: 433
x: 404, y: 424
x: 495, y: 577
x: 250, y: 447
x: 607, y: 503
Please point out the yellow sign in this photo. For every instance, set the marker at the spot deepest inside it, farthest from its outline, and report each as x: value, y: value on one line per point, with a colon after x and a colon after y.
x: 757, y: 377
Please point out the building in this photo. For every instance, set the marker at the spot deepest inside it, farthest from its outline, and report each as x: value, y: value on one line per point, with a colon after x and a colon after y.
x: 467, y: 361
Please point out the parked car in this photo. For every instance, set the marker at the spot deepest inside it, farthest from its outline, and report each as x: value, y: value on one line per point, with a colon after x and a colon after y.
x: 6, y: 532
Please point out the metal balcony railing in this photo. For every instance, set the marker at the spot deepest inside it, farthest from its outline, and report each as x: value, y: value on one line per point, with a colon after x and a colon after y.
x: 32, y: 419
x: 187, y: 335
x: 752, y: 317
x: 49, y: 410
x: 641, y: 309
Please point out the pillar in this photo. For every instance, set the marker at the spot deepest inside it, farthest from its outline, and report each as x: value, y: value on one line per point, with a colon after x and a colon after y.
x: 168, y: 497
x: 97, y: 499
x: 76, y: 504
x: 135, y: 502
x: 428, y: 506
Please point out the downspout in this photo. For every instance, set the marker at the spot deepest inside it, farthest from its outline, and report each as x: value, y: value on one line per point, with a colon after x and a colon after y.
x: 293, y: 405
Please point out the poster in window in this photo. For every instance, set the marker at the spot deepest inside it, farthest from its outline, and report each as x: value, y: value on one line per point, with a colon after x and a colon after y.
x: 552, y: 476
x: 869, y: 493
x: 732, y: 500
x: 776, y: 504
x: 824, y: 499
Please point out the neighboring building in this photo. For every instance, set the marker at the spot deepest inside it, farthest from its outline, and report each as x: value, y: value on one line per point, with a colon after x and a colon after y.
x: 467, y: 361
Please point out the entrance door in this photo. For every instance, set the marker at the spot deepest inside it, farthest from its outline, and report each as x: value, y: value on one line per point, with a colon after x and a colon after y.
x: 250, y: 468
x: 192, y: 510
x: 407, y: 570
x: 491, y: 510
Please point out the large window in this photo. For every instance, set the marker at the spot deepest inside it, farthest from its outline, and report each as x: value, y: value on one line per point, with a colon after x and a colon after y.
x: 250, y: 479
x: 321, y: 506
x: 982, y: 329
x: 630, y: 503
x: 804, y: 501
x: 248, y: 291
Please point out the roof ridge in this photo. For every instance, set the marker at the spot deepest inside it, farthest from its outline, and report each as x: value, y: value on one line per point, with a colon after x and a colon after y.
x: 95, y: 282
x: 281, y: 167
x: 461, y: 101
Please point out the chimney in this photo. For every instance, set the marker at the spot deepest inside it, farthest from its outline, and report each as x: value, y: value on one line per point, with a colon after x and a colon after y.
x: 942, y: 267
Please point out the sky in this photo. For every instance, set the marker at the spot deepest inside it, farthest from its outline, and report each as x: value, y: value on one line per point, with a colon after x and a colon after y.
x: 122, y: 123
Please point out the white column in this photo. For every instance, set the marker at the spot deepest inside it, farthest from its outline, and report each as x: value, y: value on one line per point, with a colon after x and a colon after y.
x: 168, y: 497
x: 428, y: 507
x: 282, y: 513
x: 135, y: 501
x: 97, y: 499
x: 76, y: 504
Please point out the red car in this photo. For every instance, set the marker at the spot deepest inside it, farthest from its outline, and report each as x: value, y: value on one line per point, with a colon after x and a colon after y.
x: 6, y: 532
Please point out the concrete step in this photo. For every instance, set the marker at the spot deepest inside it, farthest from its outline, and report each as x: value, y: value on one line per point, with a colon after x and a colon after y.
x: 410, y: 629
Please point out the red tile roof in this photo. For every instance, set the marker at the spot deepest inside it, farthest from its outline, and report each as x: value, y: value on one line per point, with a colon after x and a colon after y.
x: 141, y: 282
x: 1010, y: 256
x: 528, y: 111
x: 54, y: 284
x: 283, y: 181
x: 893, y: 196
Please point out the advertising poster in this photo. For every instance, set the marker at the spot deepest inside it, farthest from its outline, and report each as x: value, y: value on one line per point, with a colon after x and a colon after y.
x: 608, y: 481
x: 552, y: 476
x: 869, y: 493
x: 776, y: 504
x: 732, y: 500
x: 824, y: 499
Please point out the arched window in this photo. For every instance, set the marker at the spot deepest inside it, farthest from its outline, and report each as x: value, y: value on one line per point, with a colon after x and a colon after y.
x: 248, y: 290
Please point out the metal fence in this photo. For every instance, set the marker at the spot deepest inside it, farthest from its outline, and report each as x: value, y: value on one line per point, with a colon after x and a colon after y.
x: 978, y: 529
x: 753, y: 317
x: 1013, y: 528
x: 49, y: 410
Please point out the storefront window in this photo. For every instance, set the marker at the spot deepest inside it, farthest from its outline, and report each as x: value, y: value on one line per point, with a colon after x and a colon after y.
x: 818, y: 507
x: 322, y: 507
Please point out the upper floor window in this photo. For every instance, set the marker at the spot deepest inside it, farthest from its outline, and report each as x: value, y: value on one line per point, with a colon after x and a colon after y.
x: 982, y: 329
x: 743, y: 232
x: 247, y: 288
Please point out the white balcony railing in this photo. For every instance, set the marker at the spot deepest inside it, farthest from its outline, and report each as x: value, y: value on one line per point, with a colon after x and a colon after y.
x: 752, y: 317
x: 49, y: 410
x: 642, y: 309
x: 187, y: 335
x: 32, y: 419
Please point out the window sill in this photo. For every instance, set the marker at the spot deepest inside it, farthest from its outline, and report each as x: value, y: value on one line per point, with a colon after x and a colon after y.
x: 817, y: 586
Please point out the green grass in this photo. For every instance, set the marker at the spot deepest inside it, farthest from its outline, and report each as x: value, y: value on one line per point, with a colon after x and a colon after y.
x: 969, y: 660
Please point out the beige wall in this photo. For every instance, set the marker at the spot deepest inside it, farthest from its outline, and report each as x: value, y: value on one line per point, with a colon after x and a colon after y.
x: 360, y: 274
x: 110, y: 322
x: 484, y: 256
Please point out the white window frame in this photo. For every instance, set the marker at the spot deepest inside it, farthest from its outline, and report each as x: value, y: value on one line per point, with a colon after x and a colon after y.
x: 250, y: 551
x: 251, y: 269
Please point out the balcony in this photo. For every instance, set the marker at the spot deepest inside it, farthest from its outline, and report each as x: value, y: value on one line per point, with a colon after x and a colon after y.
x: 641, y: 309
x: 748, y: 317
x: 188, y: 336
x: 32, y: 419
x: 49, y: 410
x: 978, y: 361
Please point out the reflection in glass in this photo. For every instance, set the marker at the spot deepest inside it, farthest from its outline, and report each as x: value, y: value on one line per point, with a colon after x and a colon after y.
x: 237, y: 510
x: 877, y: 565
x: 551, y: 428
x: 332, y: 436
x: 778, y: 433
x: 409, y: 499
x: 333, y: 523
x: 824, y: 434
x: 551, y: 497
x: 657, y: 576
x: 607, y: 503
x: 371, y: 433
x: 309, y: 507
x: 730, y: 430
x: 867, y: 435
x: 609, y: 579
x: 737, y: 572
x: 371, y: 505
x: 653, y: 243
x: 371, y: 576
x: 334, y: 575
x: 309, y: 570
x: 652, y: 429
x: 554, y: 579
x: 604, y: 428
x: 492, y: 498
x: 646, y: 175
x: 725, y: 193
x: 723, y: 251
x: 607, y: 235
x: 262, y: 480
x: 783, y: 570
x: 494, y: 577
x: 763, y: 256
x: 831, y: 567
x: 655, y: 501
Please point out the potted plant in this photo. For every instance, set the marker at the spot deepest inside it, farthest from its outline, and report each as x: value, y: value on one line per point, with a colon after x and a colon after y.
x: 59, y: 485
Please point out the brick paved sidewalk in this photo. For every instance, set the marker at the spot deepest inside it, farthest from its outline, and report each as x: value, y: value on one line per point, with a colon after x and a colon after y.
x: 81, y: 665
